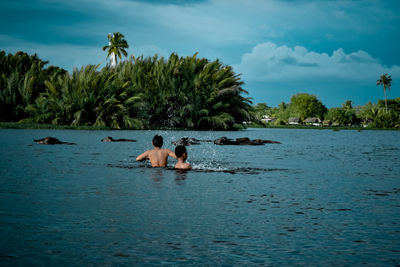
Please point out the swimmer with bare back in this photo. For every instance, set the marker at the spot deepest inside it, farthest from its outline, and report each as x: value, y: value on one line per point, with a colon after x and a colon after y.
x: 158, y: 156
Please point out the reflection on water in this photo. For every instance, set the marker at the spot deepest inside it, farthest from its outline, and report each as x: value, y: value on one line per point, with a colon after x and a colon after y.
x: 181, y: 176
x: 319, y: 198
x: 157, y: 174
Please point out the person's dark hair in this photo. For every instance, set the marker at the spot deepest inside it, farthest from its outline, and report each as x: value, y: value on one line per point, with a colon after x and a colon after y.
x: 158, y: 141
x: 180, y: 150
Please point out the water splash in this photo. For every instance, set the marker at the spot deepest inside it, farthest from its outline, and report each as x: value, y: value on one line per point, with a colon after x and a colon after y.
x: 209, y: 166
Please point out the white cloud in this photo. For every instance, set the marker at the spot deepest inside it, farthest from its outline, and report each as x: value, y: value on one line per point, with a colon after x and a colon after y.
x: 269, y: 62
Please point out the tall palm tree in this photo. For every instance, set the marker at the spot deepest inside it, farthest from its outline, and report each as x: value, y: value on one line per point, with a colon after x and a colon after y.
x: 386, y: 81
x: 117, y: 45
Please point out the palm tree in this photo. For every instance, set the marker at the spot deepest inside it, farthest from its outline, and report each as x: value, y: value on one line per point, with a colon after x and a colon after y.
x: 386, y: 81
x: 116, y: 45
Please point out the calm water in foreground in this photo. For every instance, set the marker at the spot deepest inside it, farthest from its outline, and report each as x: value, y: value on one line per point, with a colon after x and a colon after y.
x: 319, y: 198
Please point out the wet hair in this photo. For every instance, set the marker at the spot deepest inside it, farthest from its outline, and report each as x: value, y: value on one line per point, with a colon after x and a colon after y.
x: 158, y: 141
x: 180, y: 150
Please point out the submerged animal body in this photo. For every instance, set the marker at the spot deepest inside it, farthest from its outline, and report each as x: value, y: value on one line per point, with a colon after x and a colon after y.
x: 266, y: 141
x: 51, y: 141
x: 225, y: 141
x: 243, y: 141
x: 110, y: 139
x: 186, y: 141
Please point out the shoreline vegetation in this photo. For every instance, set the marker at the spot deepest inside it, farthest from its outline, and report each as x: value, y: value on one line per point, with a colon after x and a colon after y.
x: 175, y: 93
x: 19, y: 125
x: 139, y: 93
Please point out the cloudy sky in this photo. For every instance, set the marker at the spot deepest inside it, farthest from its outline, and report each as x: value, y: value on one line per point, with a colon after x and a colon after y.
x: 335, y: 50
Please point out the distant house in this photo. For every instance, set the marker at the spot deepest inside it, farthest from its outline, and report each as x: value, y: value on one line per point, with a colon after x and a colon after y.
x: 267, y: 119
x: 313, y: 121
x: 327, y: 123
x: 294, y: 121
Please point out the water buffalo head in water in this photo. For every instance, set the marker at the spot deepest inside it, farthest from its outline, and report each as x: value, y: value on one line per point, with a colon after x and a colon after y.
x: 51, y: 141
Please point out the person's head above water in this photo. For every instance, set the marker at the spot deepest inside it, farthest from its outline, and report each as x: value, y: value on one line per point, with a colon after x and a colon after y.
x: 180, y: 150
x: 158, y: 141
x: 181, y: 154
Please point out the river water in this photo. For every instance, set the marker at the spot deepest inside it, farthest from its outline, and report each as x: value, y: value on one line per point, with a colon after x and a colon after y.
x: 321, y: 197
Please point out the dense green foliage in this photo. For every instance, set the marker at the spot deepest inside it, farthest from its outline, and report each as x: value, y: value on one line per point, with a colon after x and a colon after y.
x: 370, y: 115
x: 345, y: 115
x: 22, y: 80
x: 305, y: 106
x: 301, y: 105
x: 140, y: 93
x: 154, y: 92
x: 21, y: 125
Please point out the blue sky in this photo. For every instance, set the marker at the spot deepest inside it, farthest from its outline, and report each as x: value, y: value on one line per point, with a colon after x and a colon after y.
x: 335, y: 50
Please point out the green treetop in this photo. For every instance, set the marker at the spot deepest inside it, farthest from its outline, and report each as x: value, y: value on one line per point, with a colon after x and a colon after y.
x: 386, y: 81
x: 116, y: 46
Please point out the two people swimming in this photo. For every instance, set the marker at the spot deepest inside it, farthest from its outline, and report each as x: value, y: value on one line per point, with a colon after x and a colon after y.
x: 158, y: 156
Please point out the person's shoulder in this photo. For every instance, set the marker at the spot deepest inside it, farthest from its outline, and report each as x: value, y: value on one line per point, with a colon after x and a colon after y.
x: 183, y: 166
x: 143, y: 156
x: 188, y: 166
x: 167, y: 150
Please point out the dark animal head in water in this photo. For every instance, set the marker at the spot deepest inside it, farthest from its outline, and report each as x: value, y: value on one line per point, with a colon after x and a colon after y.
x: 48, y: 141
x: 51, y: 141
x: 243, y: 141
x: 186, y: 141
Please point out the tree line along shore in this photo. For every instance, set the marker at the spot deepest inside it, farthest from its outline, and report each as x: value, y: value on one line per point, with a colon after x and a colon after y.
x: 306, y: 111
x: 158, y: 93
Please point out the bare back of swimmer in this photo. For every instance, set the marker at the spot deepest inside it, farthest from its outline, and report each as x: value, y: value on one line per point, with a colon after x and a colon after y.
x: 158, y: 156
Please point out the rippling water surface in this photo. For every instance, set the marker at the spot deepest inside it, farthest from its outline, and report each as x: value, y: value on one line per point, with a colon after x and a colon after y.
x: 319, y: 198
